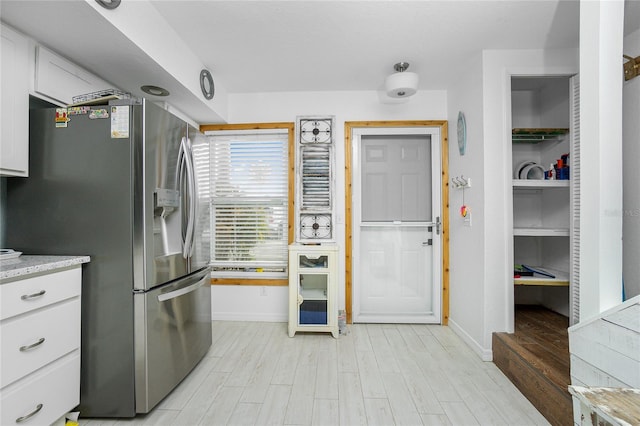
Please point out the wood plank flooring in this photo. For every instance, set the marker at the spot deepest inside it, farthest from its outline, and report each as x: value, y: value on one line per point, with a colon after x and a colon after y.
x: 377, y: 374
x: 536, y: 360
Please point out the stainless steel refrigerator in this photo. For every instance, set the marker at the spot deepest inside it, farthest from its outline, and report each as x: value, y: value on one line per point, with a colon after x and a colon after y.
x: 120, y: 183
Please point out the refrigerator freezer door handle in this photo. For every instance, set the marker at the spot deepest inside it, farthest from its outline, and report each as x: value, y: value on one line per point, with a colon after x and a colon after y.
x: 179, y: 184
x: 185, y: 166
x: 194, y: 198
x: 181, y: 292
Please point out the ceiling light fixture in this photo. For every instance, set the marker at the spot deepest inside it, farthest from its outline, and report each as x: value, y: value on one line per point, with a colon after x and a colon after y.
x: 108, y: 4
x: 154, y: 90
x: 401, y: 84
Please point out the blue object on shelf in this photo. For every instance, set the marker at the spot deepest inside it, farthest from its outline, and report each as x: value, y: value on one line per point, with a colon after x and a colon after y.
x: 538, y: 271
x: 313, y: 317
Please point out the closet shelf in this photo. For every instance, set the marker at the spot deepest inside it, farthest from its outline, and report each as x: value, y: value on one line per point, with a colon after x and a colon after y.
x: 539, y: 184
x: 561, y: 279
x: 313, y: 294
x: 541, y: 232
x: 537, y: 135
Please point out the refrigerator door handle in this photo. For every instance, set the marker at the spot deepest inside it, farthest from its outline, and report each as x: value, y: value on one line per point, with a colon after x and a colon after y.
x: 185, y: 167
x: 181, y: 292
x: 194, y: 204
x: 180, y: 185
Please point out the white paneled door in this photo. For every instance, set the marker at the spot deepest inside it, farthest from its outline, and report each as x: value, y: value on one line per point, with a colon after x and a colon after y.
x: 396, y: 225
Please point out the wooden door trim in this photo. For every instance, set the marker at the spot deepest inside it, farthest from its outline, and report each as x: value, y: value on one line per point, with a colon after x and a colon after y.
x: 444, y: 147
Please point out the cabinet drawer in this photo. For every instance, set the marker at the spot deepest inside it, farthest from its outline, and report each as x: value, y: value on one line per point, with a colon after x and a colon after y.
x: 34, y: 340
x: 56, y: 387
x: 32, y: 293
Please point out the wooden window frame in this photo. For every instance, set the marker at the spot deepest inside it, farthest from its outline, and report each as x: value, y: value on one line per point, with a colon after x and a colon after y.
x: 290, y: 127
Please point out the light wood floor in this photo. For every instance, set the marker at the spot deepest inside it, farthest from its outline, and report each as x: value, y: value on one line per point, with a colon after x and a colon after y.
x: 375, y: 375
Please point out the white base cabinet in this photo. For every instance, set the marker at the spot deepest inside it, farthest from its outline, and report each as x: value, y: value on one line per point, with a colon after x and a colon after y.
x: 312, y: 289
x: 40, y: 351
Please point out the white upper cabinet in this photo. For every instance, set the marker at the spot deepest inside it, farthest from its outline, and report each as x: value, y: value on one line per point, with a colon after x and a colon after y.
x: 60, y: 80
x: 14, y: 145
x: 31, y: 69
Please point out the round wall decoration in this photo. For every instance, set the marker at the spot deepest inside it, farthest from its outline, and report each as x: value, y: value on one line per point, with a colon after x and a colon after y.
x: 462, y: 133
x: 315, y: 131
x: 206, y: 84
x: 315, y: 226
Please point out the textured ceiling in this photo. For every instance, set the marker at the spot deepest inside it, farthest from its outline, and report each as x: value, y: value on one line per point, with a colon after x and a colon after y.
x: 257, y: 46
x: 297, y: 45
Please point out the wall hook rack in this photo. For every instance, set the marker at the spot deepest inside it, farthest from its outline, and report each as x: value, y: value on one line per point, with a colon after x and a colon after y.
x: 461, y: 182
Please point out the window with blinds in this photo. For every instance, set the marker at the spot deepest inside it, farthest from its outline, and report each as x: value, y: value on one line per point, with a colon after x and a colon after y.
x: 249, y: 207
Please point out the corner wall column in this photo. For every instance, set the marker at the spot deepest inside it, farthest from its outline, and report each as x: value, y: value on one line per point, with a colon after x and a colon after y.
x: 601, y: 40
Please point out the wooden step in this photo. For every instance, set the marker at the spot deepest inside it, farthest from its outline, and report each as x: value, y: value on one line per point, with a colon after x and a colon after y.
x: 536, y: 359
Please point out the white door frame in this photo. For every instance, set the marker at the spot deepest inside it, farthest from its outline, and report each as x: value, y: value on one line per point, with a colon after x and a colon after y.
x: 439, y: 137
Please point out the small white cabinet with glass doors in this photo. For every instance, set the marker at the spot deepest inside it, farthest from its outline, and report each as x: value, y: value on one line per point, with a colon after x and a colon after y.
x: 312, y: 288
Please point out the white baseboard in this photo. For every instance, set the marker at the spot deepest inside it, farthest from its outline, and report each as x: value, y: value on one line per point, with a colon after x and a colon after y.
x: 249, y: 317
x: 483, y: 353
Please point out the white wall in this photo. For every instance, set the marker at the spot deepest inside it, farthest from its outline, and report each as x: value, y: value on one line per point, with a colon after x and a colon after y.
x: 631, y: 174
x: 601, y: 39
x: 467, y: 255
x: 246, y: 302
x: 498, y: 67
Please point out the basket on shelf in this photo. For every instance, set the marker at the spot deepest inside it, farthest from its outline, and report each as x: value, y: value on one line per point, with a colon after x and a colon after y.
x: 107, y: 93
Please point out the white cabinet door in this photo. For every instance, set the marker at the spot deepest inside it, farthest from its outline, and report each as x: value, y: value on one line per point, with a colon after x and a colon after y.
x: 14, y: 110
x: 61, y: 80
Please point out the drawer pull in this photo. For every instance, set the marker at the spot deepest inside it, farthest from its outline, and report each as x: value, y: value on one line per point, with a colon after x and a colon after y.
x: 31, y: 414
x: 33, y: 296
x: 31, y: 346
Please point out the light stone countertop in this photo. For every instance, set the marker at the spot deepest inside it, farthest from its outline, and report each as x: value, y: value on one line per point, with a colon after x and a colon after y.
x: 25, y: 265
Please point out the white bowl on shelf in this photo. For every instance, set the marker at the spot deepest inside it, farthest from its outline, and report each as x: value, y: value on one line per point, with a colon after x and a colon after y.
x: 532, y: 172
x: 520, y: 166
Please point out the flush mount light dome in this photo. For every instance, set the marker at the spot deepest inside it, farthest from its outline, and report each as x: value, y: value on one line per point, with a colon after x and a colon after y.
x: 401, y: 84
x: 108, y: 4
x: 154, y: 90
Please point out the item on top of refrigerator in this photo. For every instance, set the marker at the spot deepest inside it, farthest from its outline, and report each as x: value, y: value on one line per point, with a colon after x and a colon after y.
x: 99, y: 97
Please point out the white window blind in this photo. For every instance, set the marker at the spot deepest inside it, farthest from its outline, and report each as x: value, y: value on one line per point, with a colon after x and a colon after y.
x: 249, y: 208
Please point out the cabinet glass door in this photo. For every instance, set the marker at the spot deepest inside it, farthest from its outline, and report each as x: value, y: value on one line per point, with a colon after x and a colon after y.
x: 313, y: 292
